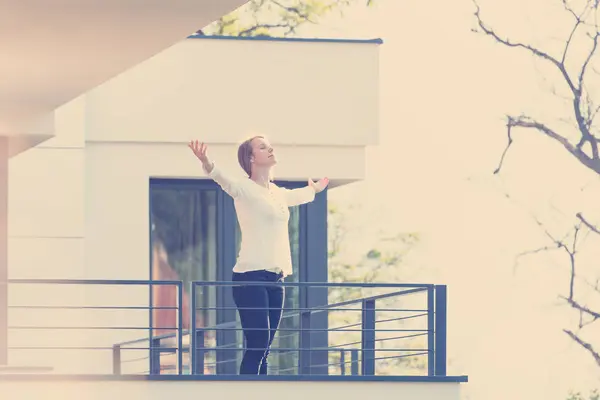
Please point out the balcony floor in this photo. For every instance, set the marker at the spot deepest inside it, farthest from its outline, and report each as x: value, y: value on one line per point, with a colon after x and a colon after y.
x: 81, y: 387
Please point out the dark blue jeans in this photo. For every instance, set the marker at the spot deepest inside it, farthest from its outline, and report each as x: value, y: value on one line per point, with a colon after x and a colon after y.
x: 260, y: 308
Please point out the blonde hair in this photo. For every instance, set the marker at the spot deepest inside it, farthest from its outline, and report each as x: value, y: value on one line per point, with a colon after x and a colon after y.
x: 245, y: 155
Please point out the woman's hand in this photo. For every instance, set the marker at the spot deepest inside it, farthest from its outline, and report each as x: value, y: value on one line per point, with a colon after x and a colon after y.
x: 320, y: 185
x: 199, y: 150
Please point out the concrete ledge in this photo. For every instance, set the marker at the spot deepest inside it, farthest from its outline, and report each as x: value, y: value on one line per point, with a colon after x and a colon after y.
x: 222, y: 378
x: 192, y: 389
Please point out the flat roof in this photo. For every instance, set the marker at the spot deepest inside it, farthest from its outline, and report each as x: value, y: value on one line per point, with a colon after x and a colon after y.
x: 288, y: 39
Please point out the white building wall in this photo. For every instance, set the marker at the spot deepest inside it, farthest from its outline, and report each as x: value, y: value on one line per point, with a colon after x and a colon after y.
x: 46, y: 240
x: 296, y: 92
x: 79, y: 203
x: 235, y: 390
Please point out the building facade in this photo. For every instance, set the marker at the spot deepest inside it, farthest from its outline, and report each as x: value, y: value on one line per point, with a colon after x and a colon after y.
x: 124, y: 198
x: 112, y: 240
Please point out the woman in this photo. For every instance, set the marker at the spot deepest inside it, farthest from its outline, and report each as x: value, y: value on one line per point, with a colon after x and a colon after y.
x: 263, y: 214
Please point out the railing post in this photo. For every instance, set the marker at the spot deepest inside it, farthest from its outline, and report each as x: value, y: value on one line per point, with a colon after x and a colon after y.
x: 151, y: 323
x: 155, y: 356
x: 342, y: 362
x: 180, y: 328
x: 441, y: 305
x: 199, y: 352
x: 430, y: 331
x: 354, y: 362
x: 116, y: 359
x: 193, y: 343
x: 304, y: 358
x: 368, y: 337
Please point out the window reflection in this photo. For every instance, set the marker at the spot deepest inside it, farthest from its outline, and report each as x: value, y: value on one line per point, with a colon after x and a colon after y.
x: 184, y: 246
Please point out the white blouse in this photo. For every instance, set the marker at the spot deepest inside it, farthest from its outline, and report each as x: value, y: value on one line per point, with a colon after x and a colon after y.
x: 263, y: 216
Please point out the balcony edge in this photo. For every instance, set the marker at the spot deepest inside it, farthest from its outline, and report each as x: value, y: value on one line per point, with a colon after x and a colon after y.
x: 287, y: 39
x: 234, y: 378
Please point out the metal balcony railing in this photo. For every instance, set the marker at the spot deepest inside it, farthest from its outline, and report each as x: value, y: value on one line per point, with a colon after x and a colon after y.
x: 327, y: 328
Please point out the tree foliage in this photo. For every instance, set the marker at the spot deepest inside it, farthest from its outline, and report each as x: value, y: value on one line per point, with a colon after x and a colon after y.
x: 574, y: 71
x: 382, y: 263
x: 594, y: 395
x: 276, y: 17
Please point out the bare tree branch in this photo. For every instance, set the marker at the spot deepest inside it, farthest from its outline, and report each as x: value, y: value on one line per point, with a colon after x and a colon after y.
x: 503, y: 156
x: 584, y: 309
x: 528, y: 123
x: 533, y: 50
x: 571, y: 254
x: 570, y: 10
x: 591, y: 227
x: 583, y: 108
x: 258, y: 27
x: 585, y: 345
x: 578, y: 23
x: 584, y: 123
x: 303, y: 15
x: 569, y: 243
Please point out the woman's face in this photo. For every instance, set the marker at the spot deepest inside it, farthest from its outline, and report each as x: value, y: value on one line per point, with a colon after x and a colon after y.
x: 263, y: 153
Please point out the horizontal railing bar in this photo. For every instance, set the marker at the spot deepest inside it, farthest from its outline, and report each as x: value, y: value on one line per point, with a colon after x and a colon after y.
x: 88, y: 327
x: 173, y: 350
x: 380, y: 340
x: 232, y: 345
x: 101, y: 282
x: 317, y: 309
x: 279, y: 337
x: 215, y: 283
x: 399, y: 318
x: 401, y: 337
x: 315, y: 330
x: 315, y: 284
x: 376, y: 297
x: 86, y: 348
x: 287, y: 315
x: 328, y: 307
x: 291, y: 349
x: 343, y: 327
x: 146, y: 308
x: 293, y: 311
x: 404, y: 356
x: 178, y: 331
x: 215, y: 363
x: 227, y: 326
x: 185, y: 332
x: 376, y: 358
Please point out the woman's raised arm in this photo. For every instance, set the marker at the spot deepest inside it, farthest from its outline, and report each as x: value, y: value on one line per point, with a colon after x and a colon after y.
x: 230, y: 185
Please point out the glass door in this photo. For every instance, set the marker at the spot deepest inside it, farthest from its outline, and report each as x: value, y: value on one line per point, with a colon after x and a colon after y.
x: 184, y: 222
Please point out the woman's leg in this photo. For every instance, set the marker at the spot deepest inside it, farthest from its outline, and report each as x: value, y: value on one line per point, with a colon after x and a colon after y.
x: 253, y: 303
x: 276, y: 296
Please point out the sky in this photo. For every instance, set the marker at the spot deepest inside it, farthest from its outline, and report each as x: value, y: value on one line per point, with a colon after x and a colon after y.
x: 444, y: 93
